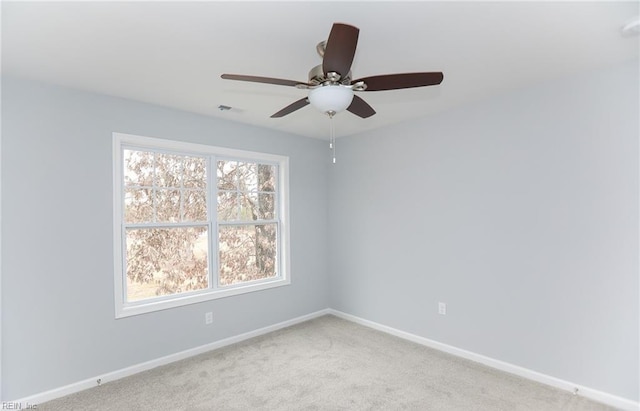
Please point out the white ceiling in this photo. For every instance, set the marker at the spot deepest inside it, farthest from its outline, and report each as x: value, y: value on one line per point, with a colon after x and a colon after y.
x: 173, y: 53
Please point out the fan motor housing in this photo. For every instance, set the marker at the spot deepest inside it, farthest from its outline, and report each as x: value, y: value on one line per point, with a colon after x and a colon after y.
x: 317, y: 77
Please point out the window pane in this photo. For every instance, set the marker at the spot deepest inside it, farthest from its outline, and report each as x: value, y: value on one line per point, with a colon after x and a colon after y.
x: 247, y: 177
x: 138, y: 168
x: 266, y: 207
x: 168, y: 206
x: 248, y: 206
x: 227, y: 205
x: 226, y: 174
x: 195, y: 205
x: 194, y: 172
x: 165, y: 261
x: 168, y: 170
x: 266, y: 177
x: 247, y: 253
x: 138, y: 205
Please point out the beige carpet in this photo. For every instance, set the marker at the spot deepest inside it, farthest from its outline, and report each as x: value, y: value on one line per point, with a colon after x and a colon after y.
x: 324, y: 364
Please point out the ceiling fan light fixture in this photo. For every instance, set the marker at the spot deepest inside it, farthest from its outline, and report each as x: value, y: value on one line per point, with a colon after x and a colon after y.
x: 331, y: 99
x: 331, y: 87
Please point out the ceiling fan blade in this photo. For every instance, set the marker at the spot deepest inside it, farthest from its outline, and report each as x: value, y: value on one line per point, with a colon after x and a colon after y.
x: 340, y: 49
x: 291, y: 108
x: 399, y: 81
x: 360, y: 108
x: 267, y: 80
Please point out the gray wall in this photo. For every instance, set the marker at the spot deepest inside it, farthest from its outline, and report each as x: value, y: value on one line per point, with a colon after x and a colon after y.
x: 57, y: 261
x: 521, y: 213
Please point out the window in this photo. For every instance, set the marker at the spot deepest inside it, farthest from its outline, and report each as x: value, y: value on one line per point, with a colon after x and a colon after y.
x: 195, y: 222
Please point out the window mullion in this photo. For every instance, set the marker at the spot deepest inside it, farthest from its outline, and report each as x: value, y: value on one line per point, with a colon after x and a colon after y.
x: 167, y: 225
x: 249, y: 222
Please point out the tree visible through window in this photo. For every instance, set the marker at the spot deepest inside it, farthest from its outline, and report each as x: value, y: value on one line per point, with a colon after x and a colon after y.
x: 246, y: 212
x: 196, y: 223
x: 165, y: 208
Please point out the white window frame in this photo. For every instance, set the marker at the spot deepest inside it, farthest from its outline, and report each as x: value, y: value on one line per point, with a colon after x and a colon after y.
x: 126, y: 309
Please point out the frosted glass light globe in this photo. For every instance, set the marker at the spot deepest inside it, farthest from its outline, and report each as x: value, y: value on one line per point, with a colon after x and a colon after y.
x: 333, y: 98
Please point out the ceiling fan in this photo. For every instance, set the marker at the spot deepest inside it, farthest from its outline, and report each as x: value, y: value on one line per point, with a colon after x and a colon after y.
x: 330, y: 85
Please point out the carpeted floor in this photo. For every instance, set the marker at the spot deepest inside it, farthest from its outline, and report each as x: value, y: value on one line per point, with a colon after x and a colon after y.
x: 324, y: 364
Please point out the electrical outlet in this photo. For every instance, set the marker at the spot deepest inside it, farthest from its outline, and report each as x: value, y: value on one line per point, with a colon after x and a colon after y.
x: 208, y: 318
x: 442, y: 308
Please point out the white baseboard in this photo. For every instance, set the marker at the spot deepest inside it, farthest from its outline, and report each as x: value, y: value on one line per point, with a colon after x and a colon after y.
x: 134, y: 369
x: 599, y: 396
x: 602, y: 397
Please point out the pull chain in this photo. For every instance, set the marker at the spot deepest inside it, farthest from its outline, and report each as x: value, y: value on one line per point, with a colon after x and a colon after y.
x: 332, y: 137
